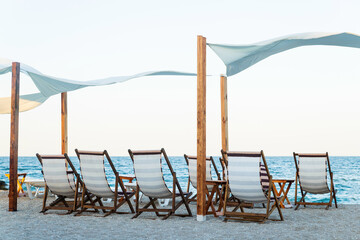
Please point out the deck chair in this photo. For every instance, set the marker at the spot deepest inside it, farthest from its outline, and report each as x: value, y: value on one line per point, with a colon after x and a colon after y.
x: 191, y: 162
x: 95, y: 181
x: 150, y: 181
x: 311, y: 174
x: 244, y: 182
x: 61, y: 182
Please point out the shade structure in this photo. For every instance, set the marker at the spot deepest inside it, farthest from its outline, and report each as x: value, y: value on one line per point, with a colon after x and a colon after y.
x: 240, y: 57
x: 49, y: 86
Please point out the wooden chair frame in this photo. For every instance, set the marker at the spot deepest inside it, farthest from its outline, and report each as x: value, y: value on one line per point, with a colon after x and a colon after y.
x: 187, y: 157
x: 60, y: 203
x: 303, y: 193
x: 244, y: 216
x: 184, y: 196
x: 124, y: 195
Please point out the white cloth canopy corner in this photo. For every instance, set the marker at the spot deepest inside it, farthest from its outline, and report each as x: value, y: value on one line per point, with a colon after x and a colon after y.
x: 49, y: 86
x: 239, y: 57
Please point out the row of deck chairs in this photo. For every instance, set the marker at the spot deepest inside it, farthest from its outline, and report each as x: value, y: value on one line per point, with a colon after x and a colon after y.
x: 249, y: 181
x: 86, y: 192
x: 247, y: 175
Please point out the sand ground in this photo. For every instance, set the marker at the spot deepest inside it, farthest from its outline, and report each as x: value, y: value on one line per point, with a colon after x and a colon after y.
x: 309, y: 223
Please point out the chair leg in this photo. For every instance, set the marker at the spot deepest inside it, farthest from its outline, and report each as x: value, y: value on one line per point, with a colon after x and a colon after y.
x: 301, y: 200
x: 330, y: 201
x: 186, y: 201
x: 146, y: 206
x: 76, y: 196
x: 154, y: 206
x: 88, y: 198
x: 82, y: 209
x: 127, y: 199
x: 100, y: 203
x: 276, y: 204
x: 335, y: 199
x: 44, y: 200
x: 279, y: 210
x: 178, y: 205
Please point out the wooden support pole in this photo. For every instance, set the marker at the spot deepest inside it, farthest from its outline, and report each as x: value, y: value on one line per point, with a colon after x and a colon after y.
x: 201, y: 127
x: 14, y: 136
x: 224, y: 114
x: 64, y: 123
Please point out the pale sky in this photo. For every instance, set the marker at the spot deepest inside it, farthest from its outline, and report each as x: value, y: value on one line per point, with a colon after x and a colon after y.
x: 304, y: 100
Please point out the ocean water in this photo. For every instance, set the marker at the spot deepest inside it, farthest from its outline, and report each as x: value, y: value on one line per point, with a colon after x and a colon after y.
x: 346, y: 173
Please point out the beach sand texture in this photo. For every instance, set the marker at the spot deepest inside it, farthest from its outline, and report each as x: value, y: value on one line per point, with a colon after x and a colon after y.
x: 309, y: 223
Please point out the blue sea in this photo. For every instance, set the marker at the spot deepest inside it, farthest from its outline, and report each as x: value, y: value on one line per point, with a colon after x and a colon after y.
x: 346, y: 173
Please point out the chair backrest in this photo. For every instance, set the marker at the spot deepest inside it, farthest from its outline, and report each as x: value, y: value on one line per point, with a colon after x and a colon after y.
x: 192, y: 167
x: 93, y: 172
x: 148, y: 173
x: 312, y: 169
x: 59, y: 180
x: 244, y: 175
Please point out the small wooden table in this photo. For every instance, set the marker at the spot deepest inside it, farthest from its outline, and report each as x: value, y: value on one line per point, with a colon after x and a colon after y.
x: 215, y: 189
x: 130, y: 186
x: 282, y: 184
x: 129, y: 177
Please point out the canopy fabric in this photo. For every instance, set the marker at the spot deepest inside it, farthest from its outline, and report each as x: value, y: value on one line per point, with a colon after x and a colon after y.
x: 49, y: 86
x: 239, y: 57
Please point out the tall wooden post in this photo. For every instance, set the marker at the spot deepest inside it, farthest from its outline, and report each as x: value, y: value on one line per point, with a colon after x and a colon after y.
x: 64, y: 123
x: 14, y: 136
x: 224, y: 114
x: 201, y: 127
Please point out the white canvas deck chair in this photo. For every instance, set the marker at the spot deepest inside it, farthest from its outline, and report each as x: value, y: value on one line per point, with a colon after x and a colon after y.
x: 244, y: 183
x: 191, y: 162
x: 311, y: 174
x: 150, y: 181
x: 62, y: 181
x: 95, y: 181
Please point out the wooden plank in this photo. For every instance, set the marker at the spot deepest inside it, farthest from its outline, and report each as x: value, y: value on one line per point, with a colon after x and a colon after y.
x: 64, y: 123
x: 313, y: 203
x: 224, y: 114
x: 201, y: 127
x: 14, y: 136
x: 243, y: 214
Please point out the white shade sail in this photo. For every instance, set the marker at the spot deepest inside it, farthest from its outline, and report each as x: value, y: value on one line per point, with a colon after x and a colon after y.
x: 239, y: 57
x: 49, y: 86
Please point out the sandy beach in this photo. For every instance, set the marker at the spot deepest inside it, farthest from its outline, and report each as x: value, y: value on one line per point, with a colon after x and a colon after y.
x: 309, y: 223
